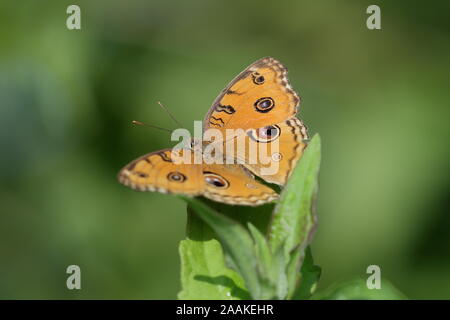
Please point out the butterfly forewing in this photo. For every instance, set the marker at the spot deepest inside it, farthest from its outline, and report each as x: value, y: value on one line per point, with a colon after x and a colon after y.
x: 158, y: 171
x: 260, y: 95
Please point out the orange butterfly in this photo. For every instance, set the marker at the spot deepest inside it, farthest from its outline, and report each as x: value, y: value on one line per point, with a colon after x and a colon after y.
x: 261, y: 102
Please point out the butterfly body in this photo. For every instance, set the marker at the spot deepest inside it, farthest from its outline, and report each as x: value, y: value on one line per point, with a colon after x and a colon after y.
x: 259, y: 108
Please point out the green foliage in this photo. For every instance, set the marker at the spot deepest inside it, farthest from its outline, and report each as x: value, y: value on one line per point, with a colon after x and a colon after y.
x: 277, y: 264
x: 204, y: 274
x: 269, y: 268
x: 309, y: 275
x: 293, y: 218
x: 235, y: 240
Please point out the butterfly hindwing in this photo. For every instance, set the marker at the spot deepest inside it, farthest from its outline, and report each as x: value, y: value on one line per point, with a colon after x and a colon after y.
x: 272, y: 152
x: 233, y: 184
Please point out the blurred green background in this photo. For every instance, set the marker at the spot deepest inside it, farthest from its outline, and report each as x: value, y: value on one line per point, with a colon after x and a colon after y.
x: 379, y: 99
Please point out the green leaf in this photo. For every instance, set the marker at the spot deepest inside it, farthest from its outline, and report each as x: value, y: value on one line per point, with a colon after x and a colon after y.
x: 294, y: 218
x: 292, y: 271
x: 271, y: 266
x: 264, y: 257
x: 357, y: 290
x: 279, y: 273
x: 203, y: 271
x: 238, y: 243
x: 270, y: 269
x: 309, y: 277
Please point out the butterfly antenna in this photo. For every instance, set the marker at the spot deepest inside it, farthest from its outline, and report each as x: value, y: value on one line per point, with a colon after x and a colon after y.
x: 170, y: 114
x: 149, y: 125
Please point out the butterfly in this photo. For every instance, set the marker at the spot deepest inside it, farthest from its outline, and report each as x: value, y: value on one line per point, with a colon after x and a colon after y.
x: 262, y: 104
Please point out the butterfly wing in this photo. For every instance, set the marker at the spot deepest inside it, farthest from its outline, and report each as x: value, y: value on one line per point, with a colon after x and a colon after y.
x: 233, y: 184
x: 157, y: 171
x: 273, y: 151
x: 259, y: 96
